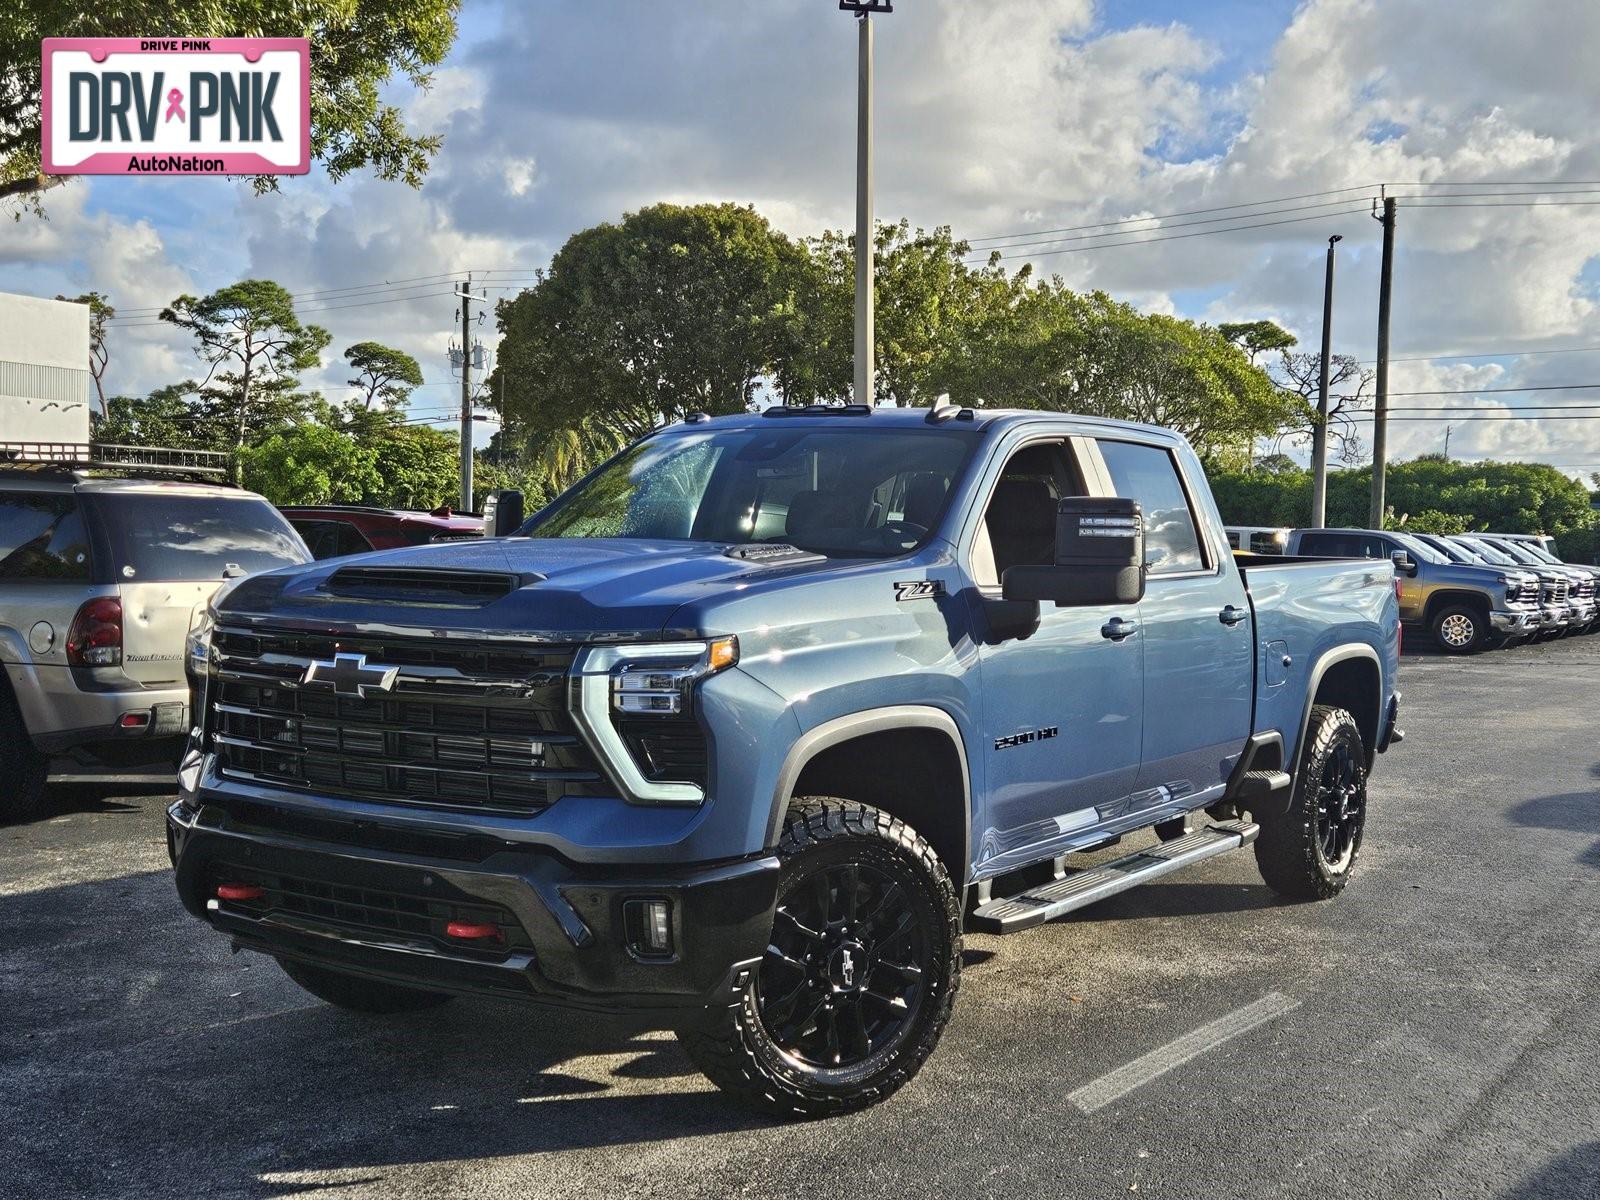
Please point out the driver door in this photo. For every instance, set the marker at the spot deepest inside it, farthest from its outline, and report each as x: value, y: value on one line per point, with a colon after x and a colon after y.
x: 1063, y: 708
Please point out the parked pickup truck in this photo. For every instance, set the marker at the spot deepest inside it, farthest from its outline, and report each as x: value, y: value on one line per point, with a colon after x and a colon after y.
x: 742, y: 732
x: 1466, y: 608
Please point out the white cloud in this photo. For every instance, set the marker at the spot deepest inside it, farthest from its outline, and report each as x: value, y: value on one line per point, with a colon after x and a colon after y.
x: 992, y: 118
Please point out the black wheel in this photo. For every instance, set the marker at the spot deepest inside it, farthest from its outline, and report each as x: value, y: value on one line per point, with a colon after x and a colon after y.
x: 860, y: 975
x: 23, y: 770
x: 1308, y: 852
x: 357, y: 993
x: 1459, y: 629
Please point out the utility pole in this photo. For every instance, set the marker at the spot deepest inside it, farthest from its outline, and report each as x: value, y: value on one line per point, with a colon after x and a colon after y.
x: 1447, y: 430
x: 1319, y: 435
x: 865, y: 349
x: 465, y: 296
x: 1380, y: 407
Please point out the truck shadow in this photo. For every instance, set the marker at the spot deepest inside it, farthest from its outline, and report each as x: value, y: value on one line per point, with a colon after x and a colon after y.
x: 1569, y: 812
x: 145, y: 1053
x: 1575, y: 1173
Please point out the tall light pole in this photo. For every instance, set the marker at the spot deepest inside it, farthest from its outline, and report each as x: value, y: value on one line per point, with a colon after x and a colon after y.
x: 865, y: 385
x: 1319, y: 435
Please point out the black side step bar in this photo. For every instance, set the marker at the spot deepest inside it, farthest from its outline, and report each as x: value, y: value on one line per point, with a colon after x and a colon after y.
x: 1076, y: 889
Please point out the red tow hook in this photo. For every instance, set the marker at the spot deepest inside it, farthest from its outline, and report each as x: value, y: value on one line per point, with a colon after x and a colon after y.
x: 240, y: 891
x: 469, y: 932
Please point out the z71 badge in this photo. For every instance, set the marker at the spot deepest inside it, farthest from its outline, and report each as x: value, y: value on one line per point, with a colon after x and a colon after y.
x: 919, y: 589
x: 1022, y: 739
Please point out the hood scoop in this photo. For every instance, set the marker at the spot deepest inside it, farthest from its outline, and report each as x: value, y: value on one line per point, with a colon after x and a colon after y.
x: 770, y: 553
x: 424, y: 585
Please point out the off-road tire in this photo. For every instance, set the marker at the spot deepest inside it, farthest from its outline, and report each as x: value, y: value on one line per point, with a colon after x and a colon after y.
x: 1449, y: 623
x: 23, y: 769
x: 1290, y: 850
x: 734, y: 1047
x: 358, y: 994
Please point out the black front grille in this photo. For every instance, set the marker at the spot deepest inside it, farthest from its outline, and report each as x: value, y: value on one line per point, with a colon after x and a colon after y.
x: 481, y: 726
x: 373, y: 914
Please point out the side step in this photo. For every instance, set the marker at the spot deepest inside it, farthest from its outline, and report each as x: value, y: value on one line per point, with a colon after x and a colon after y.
x: 1075, y: 890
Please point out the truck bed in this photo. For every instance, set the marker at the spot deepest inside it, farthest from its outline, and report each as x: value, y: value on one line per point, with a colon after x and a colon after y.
x: 1305, y: 608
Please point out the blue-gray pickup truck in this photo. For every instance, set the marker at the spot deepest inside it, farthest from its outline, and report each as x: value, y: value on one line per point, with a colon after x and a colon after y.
x: 742, y: 732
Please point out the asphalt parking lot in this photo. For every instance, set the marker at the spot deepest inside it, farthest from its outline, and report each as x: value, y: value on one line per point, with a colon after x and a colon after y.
x: 1432, y: 1032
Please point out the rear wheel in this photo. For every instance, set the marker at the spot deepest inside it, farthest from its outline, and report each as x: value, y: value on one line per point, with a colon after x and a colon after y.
x: 1308, y: 852
x: 359, y: 994
x: 858, y: 978
x: 1459, y: 629
x: 23, y: 769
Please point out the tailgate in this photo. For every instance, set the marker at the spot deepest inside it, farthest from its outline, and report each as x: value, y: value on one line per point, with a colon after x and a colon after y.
x: 156, y: 618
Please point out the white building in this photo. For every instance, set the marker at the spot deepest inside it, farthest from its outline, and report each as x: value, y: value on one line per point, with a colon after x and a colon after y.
x: 44, y: 370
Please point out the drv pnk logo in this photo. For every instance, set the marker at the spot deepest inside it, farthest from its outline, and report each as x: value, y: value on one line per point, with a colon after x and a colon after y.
x: 167, y: 106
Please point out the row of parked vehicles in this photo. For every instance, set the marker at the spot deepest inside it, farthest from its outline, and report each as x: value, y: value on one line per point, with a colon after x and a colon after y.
x: 1469, y: 592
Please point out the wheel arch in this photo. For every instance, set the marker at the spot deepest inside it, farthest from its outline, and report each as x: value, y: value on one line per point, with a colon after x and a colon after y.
x: 908, y: 760
x: 1447, y: 597
x: 1348, y: 677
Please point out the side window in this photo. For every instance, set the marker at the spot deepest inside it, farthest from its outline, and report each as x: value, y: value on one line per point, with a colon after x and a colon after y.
x: 42, y: 537
x: 1019, y: 526
x: 1149, y: 475
x: 1329, y: 545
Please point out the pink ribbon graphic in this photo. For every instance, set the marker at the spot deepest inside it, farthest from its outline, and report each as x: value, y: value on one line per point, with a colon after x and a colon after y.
x: 174, y: 106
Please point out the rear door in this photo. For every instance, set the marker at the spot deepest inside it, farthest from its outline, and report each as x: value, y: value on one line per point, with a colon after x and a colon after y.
x: 1194, y: 621
x: 168, y: 551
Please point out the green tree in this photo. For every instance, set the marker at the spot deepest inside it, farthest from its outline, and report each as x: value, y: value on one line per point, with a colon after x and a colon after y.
x: 311, y: 463
x: 1257, y: 337
x: 254, y: 345
x: 382, y: 373
x: 163, y: 418
x: 358, y: 47
x: 673, y: 309
x: 419, y: 467
x: 100, y: 311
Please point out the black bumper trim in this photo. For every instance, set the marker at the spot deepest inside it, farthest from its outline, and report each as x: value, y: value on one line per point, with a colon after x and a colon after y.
x: 722, y: 917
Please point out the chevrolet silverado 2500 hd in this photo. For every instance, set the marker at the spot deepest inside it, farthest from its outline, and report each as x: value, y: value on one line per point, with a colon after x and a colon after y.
x: 744, y: 730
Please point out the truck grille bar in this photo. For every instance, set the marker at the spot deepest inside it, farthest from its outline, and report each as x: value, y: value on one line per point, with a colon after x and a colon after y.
x: 474, y: 726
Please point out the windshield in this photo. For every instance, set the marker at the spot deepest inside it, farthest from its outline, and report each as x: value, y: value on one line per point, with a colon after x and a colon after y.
x: 1519, y: 552
x: 1419, y: 549
x: 848, y: 493
x: 1488, y: 553
x: 177, y: 537
x: 1449, y: 549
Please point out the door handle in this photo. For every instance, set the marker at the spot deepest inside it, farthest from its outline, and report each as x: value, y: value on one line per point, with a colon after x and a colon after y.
x: 1116, y: 629
x: 1232, y: 615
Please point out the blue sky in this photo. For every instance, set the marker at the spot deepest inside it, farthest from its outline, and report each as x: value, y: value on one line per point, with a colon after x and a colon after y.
x: 994, y: 118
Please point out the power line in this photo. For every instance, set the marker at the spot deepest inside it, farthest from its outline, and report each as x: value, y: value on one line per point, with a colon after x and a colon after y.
x: 1193, y: 212
x: 1490, y: 354
x: 317, y: 309
x: 1179, y: 225
x: 386, y: 285
x: 1174, y: 237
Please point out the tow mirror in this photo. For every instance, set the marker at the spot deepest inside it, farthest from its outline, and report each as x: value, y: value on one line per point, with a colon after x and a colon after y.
x: 1403, y: 562
x: 1099, y: 557
x: 502, y: 513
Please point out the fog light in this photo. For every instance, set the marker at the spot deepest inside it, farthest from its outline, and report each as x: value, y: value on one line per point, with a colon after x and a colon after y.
x: 648, y: 926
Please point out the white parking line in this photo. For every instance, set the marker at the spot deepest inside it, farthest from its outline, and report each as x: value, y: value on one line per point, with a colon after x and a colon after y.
x: 1114, y: 1085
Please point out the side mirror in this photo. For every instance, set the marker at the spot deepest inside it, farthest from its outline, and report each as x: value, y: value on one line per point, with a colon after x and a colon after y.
x: 502, y: 513
x: 1403, y: 562
x: 1099, y: 557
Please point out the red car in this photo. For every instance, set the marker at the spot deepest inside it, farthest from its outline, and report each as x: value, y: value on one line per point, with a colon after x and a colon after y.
x: 334, y: 530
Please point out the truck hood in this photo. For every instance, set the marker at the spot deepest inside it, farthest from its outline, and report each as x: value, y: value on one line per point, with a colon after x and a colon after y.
x: 570, y: 589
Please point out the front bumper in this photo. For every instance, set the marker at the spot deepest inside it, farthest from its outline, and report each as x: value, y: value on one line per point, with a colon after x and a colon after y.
x: 330, y: 898
x: 1515, y: 622
x: 1552, y: 617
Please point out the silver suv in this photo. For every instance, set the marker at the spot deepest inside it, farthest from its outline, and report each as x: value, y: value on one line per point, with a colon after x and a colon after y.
x: 100, y: 580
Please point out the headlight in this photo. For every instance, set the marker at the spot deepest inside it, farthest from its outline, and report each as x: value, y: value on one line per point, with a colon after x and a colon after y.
x: 197, y: 648
x: 617, y: 691
x: 639, y: 688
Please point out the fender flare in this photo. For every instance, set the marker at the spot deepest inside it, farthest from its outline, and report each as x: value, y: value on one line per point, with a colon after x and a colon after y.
x: 858, y: 724
x: 1334, y: 656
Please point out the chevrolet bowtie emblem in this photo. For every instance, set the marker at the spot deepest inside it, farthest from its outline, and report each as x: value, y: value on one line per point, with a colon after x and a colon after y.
x: 349, y: 675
